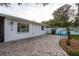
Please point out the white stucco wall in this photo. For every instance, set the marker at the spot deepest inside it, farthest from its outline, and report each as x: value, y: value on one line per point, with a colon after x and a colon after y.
x: 37, y: 30
x: 34, y: 30
x: 49, y: 30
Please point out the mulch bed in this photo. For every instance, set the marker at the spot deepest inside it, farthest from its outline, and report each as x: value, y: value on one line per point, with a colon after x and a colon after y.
x: 72, y: 50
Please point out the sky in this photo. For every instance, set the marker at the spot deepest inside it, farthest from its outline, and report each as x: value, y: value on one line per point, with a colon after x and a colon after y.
x: 31, y: 11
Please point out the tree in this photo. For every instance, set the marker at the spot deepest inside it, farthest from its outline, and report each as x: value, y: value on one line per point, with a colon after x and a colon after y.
x: 19, y: 4
x: 5, y: 4
x: 50, y: 22
x: 8, y: 4
x: 76, y: 22
x: 62, y: 14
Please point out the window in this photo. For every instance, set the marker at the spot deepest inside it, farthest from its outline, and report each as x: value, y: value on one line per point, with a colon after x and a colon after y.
x: 21, y: 27
x: 42, y: 27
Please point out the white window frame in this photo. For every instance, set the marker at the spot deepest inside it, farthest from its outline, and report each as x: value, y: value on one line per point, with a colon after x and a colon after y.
x: 22, y: 30
x: 42, y: 28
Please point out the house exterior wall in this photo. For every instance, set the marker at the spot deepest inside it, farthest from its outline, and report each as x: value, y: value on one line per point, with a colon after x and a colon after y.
x: 49, y: 30
x: 37, y: 30
x: 34, y: 30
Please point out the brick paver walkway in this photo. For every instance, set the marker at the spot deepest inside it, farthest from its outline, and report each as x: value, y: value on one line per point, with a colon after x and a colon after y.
x: 46, y: 45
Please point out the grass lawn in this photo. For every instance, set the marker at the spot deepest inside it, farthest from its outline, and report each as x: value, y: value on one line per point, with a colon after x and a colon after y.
x: 75, y: 53
x: 76, y: 37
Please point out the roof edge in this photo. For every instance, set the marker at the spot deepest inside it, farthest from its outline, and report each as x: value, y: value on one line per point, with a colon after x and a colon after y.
x: 5, y: 15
